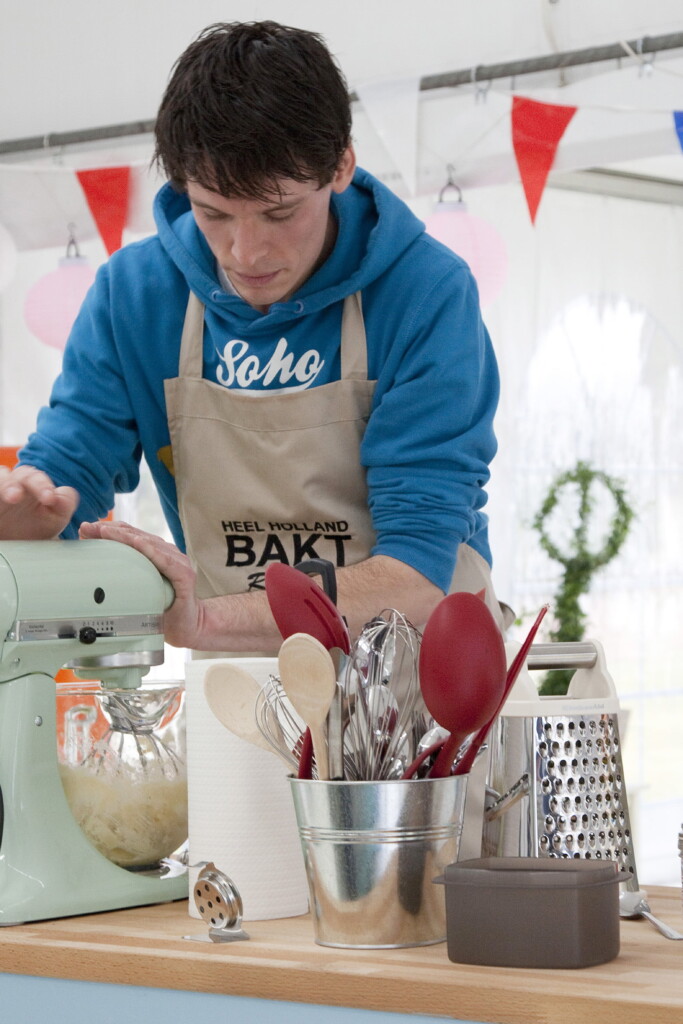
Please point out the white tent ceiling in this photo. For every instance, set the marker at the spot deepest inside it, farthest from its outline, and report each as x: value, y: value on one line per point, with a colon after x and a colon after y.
x: 77, y: 65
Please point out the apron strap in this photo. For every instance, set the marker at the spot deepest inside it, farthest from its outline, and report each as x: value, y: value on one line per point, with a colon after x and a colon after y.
x: 354, y: 352
x: 191, y: 363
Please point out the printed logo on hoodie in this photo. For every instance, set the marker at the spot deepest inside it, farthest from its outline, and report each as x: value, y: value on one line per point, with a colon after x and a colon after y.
x: 240, y: 367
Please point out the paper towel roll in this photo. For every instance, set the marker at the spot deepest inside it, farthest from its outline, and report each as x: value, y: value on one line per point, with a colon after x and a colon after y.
x: 240, y: 810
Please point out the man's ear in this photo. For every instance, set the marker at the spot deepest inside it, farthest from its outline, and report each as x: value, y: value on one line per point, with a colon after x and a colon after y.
x: 345, y: 170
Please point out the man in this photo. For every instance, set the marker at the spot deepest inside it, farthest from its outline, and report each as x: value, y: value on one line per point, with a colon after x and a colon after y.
x: 304, y: 369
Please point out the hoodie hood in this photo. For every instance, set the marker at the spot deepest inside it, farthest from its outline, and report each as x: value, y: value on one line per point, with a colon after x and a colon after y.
x: 375, y: 229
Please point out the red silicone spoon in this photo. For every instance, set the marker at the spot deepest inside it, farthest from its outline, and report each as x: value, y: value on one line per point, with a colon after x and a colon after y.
x: 467, y: 759
x: 462, y: 671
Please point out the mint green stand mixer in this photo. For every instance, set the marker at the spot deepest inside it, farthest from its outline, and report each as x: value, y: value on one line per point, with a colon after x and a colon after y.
x: 95, y: 607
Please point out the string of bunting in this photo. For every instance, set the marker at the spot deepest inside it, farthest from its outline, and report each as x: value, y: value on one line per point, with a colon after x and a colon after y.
x: 537, y: 129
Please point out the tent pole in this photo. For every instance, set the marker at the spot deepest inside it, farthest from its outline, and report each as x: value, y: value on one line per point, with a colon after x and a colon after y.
x: 447, y: 80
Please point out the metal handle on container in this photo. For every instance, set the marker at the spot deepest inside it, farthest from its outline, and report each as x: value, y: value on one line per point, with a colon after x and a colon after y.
x: 503, y: 803
x: 579, y: 654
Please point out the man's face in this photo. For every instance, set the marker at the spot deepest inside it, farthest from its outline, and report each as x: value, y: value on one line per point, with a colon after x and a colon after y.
x: 268, y: 249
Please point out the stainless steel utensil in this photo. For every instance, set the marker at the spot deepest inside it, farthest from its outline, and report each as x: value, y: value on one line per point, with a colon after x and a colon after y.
x: 277, y: 721
x: 381, y: 684
x: 134, y: 719
x: 335, y: 733
x: 634, y: 904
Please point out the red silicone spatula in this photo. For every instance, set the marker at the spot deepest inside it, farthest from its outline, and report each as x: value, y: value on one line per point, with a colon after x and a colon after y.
x: 299, y: 605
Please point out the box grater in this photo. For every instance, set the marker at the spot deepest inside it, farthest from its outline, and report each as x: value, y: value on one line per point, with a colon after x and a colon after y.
x: 555, y: 780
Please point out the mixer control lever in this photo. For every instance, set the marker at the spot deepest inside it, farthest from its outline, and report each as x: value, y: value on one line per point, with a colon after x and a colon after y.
x: 87, y: 635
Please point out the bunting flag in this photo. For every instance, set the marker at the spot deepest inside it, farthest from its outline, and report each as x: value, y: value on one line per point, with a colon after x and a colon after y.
x: 107, y: 192
x: 678, y: 125
x: 536, y: 132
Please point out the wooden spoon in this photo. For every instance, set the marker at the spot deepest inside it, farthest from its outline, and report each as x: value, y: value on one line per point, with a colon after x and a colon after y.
x: 231, y: 693
x: 462, y: 671
x: 308, y: 678
x: 299, y: 605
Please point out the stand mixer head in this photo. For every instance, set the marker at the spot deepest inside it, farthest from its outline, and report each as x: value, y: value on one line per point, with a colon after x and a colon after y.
x: 95, y: 607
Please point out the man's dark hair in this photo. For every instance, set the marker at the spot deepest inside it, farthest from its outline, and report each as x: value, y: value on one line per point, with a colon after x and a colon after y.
x: 248, y: 103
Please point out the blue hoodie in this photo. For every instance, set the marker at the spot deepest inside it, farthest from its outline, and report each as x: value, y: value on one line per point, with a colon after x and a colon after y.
x: 429, y: 438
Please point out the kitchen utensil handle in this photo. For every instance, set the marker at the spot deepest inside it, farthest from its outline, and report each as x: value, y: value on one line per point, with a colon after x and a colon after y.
x: 509, y: 799
x: 443, y: 762
x: 421, y: 758
x: 581, y: 654
x: 319, y: 741
x: 306, y: 756
x: 323, y: 568
x: 335, y: 735
x: 667, y: 932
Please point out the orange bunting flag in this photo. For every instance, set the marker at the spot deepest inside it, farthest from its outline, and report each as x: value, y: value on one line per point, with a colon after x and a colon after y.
x: 107, y: 191
x: 536, y: 132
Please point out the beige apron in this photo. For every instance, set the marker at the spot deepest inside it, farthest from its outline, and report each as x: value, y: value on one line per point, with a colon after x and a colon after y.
x: 265, y: 477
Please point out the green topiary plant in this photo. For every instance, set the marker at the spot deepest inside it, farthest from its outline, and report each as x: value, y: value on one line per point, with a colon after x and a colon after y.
x: 579, y: 562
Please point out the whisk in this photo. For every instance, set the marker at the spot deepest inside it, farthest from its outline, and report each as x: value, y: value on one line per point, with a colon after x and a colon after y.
x: 279, y: 723
x: 131, y: 741
x: 382, y: 681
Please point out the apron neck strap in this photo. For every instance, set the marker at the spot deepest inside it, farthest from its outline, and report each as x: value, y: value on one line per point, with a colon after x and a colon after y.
x: 354, y: 352
x: 191, y: 362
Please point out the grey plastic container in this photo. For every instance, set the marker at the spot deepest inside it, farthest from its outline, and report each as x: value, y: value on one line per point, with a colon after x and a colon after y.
x: 524, y: 912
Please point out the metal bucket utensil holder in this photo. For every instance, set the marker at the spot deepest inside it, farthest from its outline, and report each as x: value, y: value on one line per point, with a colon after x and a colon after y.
x: 372, y: 851
x: 555, y: 780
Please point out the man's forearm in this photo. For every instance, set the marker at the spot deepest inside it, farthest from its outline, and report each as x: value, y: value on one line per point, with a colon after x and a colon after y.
x: 243, y: 622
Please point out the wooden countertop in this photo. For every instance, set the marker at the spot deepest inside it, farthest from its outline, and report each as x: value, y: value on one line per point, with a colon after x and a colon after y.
x: 145, y: 946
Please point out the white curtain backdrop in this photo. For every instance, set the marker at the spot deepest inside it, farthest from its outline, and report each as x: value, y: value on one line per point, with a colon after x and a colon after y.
x: 589, y: 335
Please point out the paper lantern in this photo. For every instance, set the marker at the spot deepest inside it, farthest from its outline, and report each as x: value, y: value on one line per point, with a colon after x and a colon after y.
x: 53, y: 302
x: 477, y: 241
x: 8, y: 257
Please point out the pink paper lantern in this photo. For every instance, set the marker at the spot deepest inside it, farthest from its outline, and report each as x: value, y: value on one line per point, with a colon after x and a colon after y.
x: 53, y: 302
x: 477, y: 241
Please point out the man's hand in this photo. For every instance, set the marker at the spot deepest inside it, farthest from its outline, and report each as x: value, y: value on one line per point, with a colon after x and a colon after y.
x: 182, y: 621
x: 31, y: 507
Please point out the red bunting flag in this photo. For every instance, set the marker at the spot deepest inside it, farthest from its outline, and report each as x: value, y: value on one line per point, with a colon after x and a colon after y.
x: 536, y: 132
x: 107, y: 190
